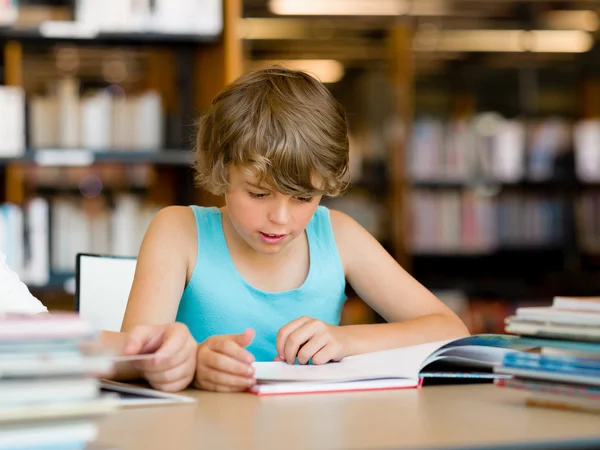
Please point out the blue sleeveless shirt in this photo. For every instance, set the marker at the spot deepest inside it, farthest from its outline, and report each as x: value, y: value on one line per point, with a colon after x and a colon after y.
x: 217, y: 299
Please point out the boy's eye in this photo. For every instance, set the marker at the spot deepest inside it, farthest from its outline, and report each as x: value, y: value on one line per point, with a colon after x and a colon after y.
x: 304, y: 199
x: 257, y: 194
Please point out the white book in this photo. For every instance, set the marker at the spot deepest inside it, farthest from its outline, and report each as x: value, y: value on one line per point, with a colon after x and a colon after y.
x: 458, y: 146
x: 9, y: 13
x: 37, y: 391
x: 3, y: 231
x: 71, y: 236
x: 24, y: 327
x: 396, y: 368
x: 149, y: 122
x: 125, y: 239
x: 30, y: 414
x: 509, y: 152
x: 586, y: 137
x: 79, y: 235
x: 123, y: 123
x: 43, y: 120
x: 4, y: 112
x: 38, y: 266
x: 577, y: 303
x: 559, y: 316
x: 552, y: 330
x: 12, y: 125
x: 424, y: 154
x: 68, y: 113
x: 56, y: 365
x: 99, y: 228
x: 13, y: 244
x: 96, y: 121
x: 204, y: 17
x: 47, y: 434
x: 59, y: 222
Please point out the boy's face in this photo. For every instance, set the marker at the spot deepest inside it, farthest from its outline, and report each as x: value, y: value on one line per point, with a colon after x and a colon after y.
x: 267, y: 220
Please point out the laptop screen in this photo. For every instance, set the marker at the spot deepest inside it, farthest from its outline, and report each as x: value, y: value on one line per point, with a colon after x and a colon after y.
x: 102, y: 289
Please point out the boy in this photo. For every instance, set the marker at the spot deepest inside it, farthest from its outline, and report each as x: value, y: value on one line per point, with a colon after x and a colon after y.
x: 263, y: 278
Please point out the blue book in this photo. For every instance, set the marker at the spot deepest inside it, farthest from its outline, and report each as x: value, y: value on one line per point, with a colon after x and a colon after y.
x: 552, y: 363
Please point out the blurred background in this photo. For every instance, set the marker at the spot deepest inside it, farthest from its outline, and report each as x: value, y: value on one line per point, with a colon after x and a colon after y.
x: 475, y: 132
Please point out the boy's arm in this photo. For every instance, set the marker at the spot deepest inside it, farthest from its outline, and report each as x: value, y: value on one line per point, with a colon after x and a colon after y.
x: 414, y: 314
x: 159, y: 280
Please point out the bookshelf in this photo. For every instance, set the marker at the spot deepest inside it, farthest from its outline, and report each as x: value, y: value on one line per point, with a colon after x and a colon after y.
x: 74, y: 157
x: 92, y: 177
x: 509, y: 156
x: 37, y: 36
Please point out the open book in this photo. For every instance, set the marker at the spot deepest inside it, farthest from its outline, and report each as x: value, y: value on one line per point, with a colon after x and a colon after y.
x: 470, y: 357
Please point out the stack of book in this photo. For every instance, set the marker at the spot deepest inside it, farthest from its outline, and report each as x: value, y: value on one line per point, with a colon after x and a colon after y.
x: 104, y: 120
x: 44, y: 236
x: 49, y: 392
x: 565, y: 373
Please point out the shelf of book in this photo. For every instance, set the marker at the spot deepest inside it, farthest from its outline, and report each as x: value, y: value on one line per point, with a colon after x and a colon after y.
x: 73, y: 157
x: 490, y: 184
x: 94, y: 149
x: 37, y: 36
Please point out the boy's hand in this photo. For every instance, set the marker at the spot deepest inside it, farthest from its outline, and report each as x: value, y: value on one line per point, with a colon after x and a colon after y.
x: 223, y: 363
x: 174, y: 366
x: 307, y: 338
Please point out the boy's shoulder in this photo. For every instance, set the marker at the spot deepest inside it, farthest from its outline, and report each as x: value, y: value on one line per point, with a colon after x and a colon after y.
x: 178, y: 214
x: 175, y: 221
x: 347, y: 231
x: 341, y: 222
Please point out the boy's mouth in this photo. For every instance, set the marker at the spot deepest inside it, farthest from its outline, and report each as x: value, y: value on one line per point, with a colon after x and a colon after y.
x: 271, y: 238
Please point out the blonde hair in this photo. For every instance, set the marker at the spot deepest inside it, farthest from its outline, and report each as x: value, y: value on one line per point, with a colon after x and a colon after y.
x: 281, y: 124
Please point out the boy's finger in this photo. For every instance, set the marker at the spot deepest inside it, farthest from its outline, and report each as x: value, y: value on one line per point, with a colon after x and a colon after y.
x: 210, y: 386
x: 296, y: 340
x: 224, y: 363
x: 173, y: 340
x: 163, y: 362
x: 170, y: 375
x: 314, y: 345
x: 226, y: 379
x: 285, y: 331
x: 245, y: 339
x: 142, y: 339
x: 324, y: 355
x: 231, y: 348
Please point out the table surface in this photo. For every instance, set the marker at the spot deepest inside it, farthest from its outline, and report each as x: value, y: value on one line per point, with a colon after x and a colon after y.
x: 465, y: 416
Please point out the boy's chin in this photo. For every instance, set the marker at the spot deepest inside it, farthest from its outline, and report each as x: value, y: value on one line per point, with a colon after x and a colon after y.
x: 269, y: 249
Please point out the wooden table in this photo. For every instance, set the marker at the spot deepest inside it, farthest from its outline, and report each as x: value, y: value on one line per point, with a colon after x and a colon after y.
x: 468, y: 416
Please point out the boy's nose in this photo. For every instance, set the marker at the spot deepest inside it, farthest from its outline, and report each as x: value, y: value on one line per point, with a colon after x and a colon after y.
x: 280, y: 214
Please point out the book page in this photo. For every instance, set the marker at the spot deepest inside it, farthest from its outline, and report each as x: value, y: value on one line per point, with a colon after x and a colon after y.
x: 281, y: 371
x: 402, y: 362
x: 472, y: 356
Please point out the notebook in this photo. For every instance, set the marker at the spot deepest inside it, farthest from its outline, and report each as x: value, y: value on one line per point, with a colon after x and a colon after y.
x: 141, y: 395
x: 470, y: 357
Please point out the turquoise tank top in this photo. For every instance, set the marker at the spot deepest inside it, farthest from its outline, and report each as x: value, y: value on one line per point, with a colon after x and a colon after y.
x: 217, y: 299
